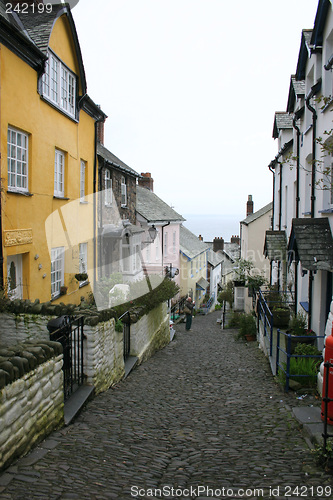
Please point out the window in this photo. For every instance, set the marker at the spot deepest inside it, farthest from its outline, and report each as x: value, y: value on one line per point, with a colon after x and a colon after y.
x: 123, y: 192
x: 59, y: 84
x: 82, y: 180
x: 108, y: 188
x: 126, y: 254
x: 174, y: 242
x: 17, y: 160
x: 57, y: 270
x: 83, y: 256
x: 59, y: 171
x: 131, y: 245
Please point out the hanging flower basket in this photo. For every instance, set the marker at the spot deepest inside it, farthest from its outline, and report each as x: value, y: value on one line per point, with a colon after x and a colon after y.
x: 81, y: 277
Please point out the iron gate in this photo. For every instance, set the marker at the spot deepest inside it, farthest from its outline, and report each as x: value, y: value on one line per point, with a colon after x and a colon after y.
x: 70, y: 335
x: 126, y: 320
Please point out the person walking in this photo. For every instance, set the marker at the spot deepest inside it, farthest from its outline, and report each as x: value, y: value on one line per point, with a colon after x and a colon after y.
x: 188, y: 310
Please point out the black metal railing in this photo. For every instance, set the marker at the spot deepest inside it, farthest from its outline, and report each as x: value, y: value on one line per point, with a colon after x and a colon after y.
x: 71, y: 336
x: 177, y: 309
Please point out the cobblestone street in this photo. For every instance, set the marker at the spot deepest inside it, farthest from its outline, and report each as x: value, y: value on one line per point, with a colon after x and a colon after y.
x: 203, y: 418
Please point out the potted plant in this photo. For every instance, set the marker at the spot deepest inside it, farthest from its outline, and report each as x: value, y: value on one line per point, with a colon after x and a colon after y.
x: 299, y: 332
x: 63, y: 290
x: 281, y: 316
x: 247, y: 327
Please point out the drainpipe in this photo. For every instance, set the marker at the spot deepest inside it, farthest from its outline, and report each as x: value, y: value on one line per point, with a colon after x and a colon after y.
x: 280, y: 197
x: 1, y: 248
x: 270, y: 166
x: 297, y: 115
x: 280, y: 219
x: 94, y: 207
x: 165, y: 225
x: 314, y: 90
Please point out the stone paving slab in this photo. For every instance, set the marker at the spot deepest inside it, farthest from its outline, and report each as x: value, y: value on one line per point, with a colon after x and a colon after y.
x: 204, y: 411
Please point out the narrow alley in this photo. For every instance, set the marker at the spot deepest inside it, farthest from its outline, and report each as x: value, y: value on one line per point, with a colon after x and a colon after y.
x: 203, y: 418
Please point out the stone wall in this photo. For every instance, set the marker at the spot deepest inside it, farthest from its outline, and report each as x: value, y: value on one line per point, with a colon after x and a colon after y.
x: 150, y: 333
x: 103, y: 349
x: 32, y: 405
x: 103, y: 355
x: 17, y: 328
x: 31, y: 376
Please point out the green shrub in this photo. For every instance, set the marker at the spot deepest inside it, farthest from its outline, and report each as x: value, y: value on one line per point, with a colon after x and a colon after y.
x: 119, y: 325
x: 307, y: 367
x: 234, y: 321
x: 297, y: 324
x: 306, y: 350
x: 247, y: 325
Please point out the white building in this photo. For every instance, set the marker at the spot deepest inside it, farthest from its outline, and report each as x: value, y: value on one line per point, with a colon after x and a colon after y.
x: 303, y: 174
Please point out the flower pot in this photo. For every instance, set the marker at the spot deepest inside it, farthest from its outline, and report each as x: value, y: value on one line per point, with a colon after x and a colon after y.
x: 281, y: 317
x: 250, y: 338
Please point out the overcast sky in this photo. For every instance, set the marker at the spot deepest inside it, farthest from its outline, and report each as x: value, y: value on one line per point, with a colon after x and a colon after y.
x: 190, y: 88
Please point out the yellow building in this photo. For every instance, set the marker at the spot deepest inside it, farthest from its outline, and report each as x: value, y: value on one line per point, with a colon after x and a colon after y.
x: 193, y: 266
x: 48, y: 156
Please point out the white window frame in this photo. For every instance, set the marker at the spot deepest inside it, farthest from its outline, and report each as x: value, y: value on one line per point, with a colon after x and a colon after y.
x: 17, y: 160
x: 123, y: 192
x: 59, y: 84
x: 83, y: 259
x: 131, y: 247
x: 83, y: 167
x: 108, y: 188
x: 59, y: 173
x: 57, y: 270
x: 174, y: 242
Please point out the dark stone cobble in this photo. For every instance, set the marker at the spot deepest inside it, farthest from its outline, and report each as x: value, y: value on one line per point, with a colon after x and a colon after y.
x: 203, y: 418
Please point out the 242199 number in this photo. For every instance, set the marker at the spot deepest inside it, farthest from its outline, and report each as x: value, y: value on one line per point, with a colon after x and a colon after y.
x: 29, y: 8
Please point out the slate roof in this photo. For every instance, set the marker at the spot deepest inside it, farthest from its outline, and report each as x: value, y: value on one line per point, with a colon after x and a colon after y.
x: 39, y: 27
x: 214, y: 258
x: 275, y: 245
x: 256, y: 215
x: 153, y: 209
x: 109, y: 157
x: 296, y: 90
x: 282, y: 120
x: 28, y: 35
x: 311, y: 242
x: 189, y: 243
x: 232, y: 251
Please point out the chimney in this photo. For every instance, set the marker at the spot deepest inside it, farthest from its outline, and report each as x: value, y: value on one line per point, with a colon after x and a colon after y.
x: 235, y: 239
x: 100, y: 132
x: 146, y: 181
x: 218, y: 244
x: 200, y: 237
x: 249, y: 206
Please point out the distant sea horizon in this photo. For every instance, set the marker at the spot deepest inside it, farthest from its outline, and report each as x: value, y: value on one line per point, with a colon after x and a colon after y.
x: 211, y: 226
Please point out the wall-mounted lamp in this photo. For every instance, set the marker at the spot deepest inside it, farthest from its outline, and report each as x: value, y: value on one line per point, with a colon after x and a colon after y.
x: 152, y: 232
x: 36, y: 256
x: 40, y: 266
